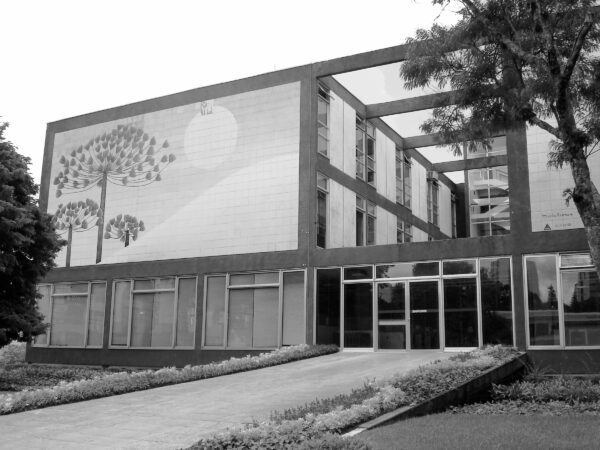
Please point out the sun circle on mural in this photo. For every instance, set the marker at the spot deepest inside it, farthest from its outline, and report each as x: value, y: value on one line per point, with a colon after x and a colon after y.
x: 210, y: 137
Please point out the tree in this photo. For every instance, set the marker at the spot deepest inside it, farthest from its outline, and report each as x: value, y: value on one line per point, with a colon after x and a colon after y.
x: 75, y: 216
x: 123, y: 227
x: 511, y: 62
x: 126, y: 156
x: 28, y: 245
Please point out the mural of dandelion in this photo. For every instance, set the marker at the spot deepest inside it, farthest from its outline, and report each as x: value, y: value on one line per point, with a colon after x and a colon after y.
x: 125, y: 156
x: 76, y: 216
x: 124, y: 227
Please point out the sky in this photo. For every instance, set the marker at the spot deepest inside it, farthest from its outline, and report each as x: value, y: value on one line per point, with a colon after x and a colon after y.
x: 64, y: 58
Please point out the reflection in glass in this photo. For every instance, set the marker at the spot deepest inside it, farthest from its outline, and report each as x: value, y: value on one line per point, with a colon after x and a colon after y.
x: 464, y: 266
x: 496, y: 301
x: 43, y: 303
x: 328, y: 306
x: 358, y: 273
x: 186, y: 313
x: 424, y: 315
x: 390, y: 301
x: 460, y: 312
x: 120, y: 324
x: 241, y: 310
x: 392, y: 337
x: 266, y: 312
x: 402, y: 270
x: 542, y: 300
x: 581, y: 301
x: 358, y: 315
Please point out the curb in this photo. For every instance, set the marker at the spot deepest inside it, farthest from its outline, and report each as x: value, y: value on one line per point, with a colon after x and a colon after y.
x: 464, y: 393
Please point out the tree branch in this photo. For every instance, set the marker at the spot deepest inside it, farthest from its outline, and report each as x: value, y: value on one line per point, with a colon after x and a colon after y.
x: 535, y: 120
x: 572, y: 61
x: 510, y: 44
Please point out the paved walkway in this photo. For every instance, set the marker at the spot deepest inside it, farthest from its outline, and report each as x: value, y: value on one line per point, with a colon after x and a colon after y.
x: 177, y: 416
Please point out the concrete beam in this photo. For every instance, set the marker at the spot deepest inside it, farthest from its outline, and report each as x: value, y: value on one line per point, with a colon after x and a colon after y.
x: 412, y: 104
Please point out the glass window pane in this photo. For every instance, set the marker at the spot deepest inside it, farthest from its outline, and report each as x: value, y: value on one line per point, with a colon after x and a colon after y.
x: 266, y: 317
x: 293, y: 308
x: 401, y: 270
x: 267, y: 278
x: 358, y: 315
x: 143, y: 285
x: 120, y: 313
x: 496, y: 301
x: 459, y: 267
x: 392, y: 337
x: 360, y: 228
x: 165, y: 283
x: 141, y: 323
x: 358, y: 273
x: 43, y: 304
x: 241, y: 311
x: 163, y: 319
x: 370, y: 230
x: 186, y: 312
x: 575, y: 260
x: 214, y: 328
x: 424, y: 315
x: 460, y: 312
x: 68, y: 321
x: 390, y: 301
x: 321, y: 219
x: 328, y: 306
x: 96, y: 321
x: 581, y: 300
x: 71, y: 288
x: 241, y: 279
x: 542, y: 299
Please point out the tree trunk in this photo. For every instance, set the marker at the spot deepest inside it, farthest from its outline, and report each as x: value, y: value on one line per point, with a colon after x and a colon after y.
x: 101, y: 218
x: 587, y: 201
x: 69, y: 239
x: 126, y: 238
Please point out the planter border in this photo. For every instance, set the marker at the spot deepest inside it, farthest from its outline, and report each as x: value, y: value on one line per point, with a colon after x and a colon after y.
x: 468, y: 391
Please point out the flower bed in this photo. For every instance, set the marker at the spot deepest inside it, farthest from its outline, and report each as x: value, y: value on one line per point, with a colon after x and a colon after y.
x: 297, y: 427
x: 123, y: 382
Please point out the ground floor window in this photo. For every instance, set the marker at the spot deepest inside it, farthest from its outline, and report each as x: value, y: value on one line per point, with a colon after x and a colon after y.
x: 421, y: 305
x: 563, y: 300
x: 74, y: 312
x: 254, y: 310
x: 154, y: 313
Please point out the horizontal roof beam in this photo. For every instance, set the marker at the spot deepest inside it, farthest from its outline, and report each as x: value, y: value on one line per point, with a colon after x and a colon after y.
x: 469, y: 164
x: 429, y: 140
x: 412, y: 104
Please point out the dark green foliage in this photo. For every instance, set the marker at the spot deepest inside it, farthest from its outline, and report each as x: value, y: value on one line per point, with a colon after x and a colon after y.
x: 320, y: 406
x: 511, y: 62
x: 565, y: 389
x: 28, y: 245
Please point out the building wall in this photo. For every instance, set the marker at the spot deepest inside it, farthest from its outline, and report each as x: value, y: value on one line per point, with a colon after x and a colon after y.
x: 445, y: 213
x: 549, y: 210
x: 229, y: 179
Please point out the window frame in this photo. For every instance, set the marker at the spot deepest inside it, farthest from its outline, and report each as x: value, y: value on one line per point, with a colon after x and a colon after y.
x: 367, y: 163
x: 324, y: 96
x: 133, y: 291
x: 88, y: 310
x: 403, y: 182
x: 561, y: 346
x: 228, y: 286
x: 324, y: 190
x: 433, y: 202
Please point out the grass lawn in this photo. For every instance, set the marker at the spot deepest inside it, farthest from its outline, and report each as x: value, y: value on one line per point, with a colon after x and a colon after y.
x: 470, y: 431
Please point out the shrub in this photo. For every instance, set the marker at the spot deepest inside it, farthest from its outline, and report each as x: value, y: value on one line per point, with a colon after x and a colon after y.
x: 567, y: 389
x: 12, y: 353
x: 123, y: 382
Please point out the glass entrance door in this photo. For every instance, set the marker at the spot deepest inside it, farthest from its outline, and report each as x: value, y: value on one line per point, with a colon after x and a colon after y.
x: 391, y: 316
x: 424, y: 315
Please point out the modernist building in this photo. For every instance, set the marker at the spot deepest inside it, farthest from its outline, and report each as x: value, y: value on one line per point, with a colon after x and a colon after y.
x: 298, y: 207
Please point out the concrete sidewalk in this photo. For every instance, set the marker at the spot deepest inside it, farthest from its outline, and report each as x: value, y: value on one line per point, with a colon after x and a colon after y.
x: 177, y: 416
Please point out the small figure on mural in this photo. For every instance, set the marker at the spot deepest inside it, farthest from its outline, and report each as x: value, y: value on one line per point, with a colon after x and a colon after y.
x: 124, y: 227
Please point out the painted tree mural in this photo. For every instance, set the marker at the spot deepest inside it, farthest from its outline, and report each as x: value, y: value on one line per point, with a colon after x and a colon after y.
x: 125, y: 156
x: 124, y: 227
x: 75, y: 216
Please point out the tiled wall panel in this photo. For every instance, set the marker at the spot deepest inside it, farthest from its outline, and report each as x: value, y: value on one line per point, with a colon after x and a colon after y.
x: 231, y: 185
